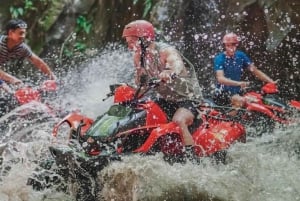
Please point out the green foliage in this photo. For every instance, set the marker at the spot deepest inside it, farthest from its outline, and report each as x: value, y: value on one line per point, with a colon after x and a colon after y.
x: 16, y: 11
x: 83, y: 24
x: 29, y: 5
x: 20, y: 10
x: 148, y: 6
x: 80, y: 46
x: 83, y: 27
x: 68, y: 53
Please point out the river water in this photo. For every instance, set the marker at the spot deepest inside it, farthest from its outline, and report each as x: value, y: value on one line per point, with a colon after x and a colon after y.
x: 265, y: 168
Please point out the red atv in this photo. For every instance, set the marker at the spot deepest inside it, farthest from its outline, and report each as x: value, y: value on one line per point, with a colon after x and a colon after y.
x: 268, y: 109
x: 263, y: 110
x: 25, y: 106
x: 276, y: 108
x: 139, y: 123
x: 23, y: 95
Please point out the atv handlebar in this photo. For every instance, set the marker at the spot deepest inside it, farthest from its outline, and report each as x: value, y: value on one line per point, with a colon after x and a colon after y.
x: 267, y: 88
x: 133, y: 94
x: 152, y: 83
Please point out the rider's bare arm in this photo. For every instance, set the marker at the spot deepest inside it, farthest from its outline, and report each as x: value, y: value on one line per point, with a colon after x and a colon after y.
x: 259, y: 74
x: 173, y: 64
x: 40, y: 64
x: 9, y: 78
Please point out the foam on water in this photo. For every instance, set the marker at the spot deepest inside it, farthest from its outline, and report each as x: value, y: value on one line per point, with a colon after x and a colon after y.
x: 265, y: 169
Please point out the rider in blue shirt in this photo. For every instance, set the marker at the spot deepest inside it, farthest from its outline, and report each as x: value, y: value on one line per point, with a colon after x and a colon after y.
x: 229, y: 66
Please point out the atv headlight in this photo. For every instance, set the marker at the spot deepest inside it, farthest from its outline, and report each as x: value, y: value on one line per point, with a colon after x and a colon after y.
x: 90, y: 146
x: 90, y: 140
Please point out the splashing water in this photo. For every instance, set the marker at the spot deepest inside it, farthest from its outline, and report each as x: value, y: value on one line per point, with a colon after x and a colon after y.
x: 265, y: 168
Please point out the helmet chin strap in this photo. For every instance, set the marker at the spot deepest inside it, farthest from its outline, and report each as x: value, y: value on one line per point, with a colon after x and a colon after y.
x: 144, y: 44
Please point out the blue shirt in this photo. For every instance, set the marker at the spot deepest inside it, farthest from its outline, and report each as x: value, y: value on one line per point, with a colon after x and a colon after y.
x: 232, y: 67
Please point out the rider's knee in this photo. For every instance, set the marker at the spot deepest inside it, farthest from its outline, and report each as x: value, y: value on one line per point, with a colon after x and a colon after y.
x: 237, y: 101
x: 183, y: 117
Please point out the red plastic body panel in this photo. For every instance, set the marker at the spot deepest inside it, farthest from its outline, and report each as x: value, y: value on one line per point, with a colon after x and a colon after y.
x: 217, y: 137
x: 295, y: 104
x: 27, y: 94
x: 74, y: 119
x: 155, y: 114
x: 123, y: 93
x: 211, y: 136
x: 270, y: 88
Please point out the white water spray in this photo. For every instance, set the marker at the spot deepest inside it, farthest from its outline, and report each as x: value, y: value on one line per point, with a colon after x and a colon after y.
x: 266, y: 168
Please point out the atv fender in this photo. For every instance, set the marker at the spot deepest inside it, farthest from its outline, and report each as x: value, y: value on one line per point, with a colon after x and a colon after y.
x: 26, y: 95
x: 218, y: 137
x: 73, y: 120
x: 295, y: 104
x: 163, y: 129
x: 264, y: 110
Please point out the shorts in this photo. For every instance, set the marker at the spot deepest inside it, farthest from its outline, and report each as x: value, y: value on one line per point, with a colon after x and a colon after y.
x: 170, y: 107
x: 223, y: 98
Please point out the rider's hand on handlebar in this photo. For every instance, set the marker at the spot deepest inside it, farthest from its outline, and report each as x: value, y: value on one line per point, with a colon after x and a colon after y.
x: 244, y: 85
x: 165, y: 76
x: 14, y: 85
x: 52, y: 76
x: 15, y: 81
x: 154, y: 82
